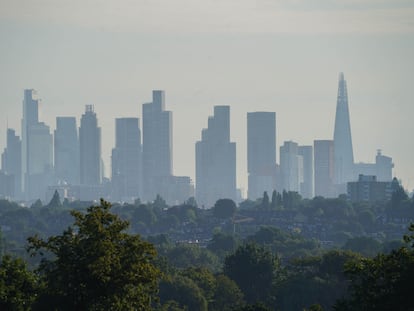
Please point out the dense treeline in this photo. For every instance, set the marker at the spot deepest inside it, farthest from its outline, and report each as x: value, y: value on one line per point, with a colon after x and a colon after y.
x: 187, y: 258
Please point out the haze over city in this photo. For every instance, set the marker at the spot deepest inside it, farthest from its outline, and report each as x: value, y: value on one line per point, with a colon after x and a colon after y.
x: 253, y: 56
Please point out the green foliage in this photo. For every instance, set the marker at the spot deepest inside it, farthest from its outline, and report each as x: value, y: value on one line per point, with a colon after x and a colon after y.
x: 364, y: 245
x: 381, y: 283
x: 224, y: 208
x: 55, y: 201
x: 37, y: 204
x: 281, y: 242
x: 96, y: 266
x: 228, y: 295
x: 222, y: 244
x: 265, y: 201
x: 255, y: 270
x: 184, y: 291
x: 204, y: 279
x: 18, y: 285
x: 186, y: 255
x: 314, y: 280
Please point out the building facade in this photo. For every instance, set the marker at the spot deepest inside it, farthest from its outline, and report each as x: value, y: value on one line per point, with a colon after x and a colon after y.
x: 90, y: 148
x: 127, y: 160
x: 291, y: 166
x: 66, y: 151
x: 324, y: 168
x: 261, y: 153
x: 343, y: 151
x: 216, y: 160
x: 306, y: 186
x: 157, y: 144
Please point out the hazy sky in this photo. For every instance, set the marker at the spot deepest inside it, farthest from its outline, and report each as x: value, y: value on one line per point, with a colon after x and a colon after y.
x: 263, y: 55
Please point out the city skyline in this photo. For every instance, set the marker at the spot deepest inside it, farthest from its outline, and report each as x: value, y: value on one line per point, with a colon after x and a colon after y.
x: 280, y: 57
x: 215, y: 157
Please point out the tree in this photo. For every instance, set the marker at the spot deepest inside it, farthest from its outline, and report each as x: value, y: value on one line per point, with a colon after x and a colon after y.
x: 265, y: 201
x: 96, y: 265
x: 222, y: 244
x: 365, y: 245
x: 228, y: 295
x: 184, y: 291
x: 381, y: 283
x: 55, y: 201
x: 18, y: 285
x: 254, y: 269
x: 224, y: 208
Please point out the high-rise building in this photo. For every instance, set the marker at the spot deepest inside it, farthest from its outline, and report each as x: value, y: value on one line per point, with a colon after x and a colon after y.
x: 324, y: 168
x: 261, y: 153
x: 157, y: 144
x: 291, y: 166
x: 11, y: 162
x: 66, y: 140
x: 343, y: 152
x: 40, y: 161
x: 381, y: 169
x: 37, y: 150
x: 369, y: 189
x: 90, y: 148
x: 216, y: 160
x: 126, y: 160
x: 30, y: 118
x: 306, y: 186
x: 384, y: 166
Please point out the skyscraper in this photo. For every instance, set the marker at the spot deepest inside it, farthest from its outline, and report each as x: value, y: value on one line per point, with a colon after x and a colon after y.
x: 306, y: 186
x: 11, y: 161
x: 126, y: 160
x: 261, y: 153
x: 40, y: 161
x: 157, y: 144
x: 291, y: 166
x: 216, y: 160
x: 66, y: 140
x: 324, y: 168
x: 343, y: 152
x: 30, y: 118
x: 90, y: 148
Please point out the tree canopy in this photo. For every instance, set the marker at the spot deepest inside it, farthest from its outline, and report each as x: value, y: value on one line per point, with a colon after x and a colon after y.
x: 95, y: 265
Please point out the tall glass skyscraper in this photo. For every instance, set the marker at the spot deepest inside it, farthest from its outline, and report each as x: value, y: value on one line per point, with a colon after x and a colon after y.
x: 157, y: 145
x: 90, y: 148
x: 216, y: 160
x: 261, y: 153
x: 343, y: 152
x: 66, y: 151
x: 126, y: 160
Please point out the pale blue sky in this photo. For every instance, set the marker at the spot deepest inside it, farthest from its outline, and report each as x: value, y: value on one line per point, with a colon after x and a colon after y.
x: 281, y: 56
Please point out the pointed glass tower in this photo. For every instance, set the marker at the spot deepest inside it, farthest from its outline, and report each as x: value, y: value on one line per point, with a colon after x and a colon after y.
x: 343, y: 152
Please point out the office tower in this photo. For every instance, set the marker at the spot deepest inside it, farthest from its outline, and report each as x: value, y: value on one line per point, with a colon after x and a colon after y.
x: 324, y: 168
x: 66, y: 151
x: 216, y: 160
x: 37, y: 150
x: 306, y: 187
x: 157, y: 144
x: 90, y: 148
x: 384, y: 167
x: 11, y: 162
x: 343, y: 153
x: 30, y: 118
x: 291, y: 166
x: 381, y: 169
x: 261, y: 153
x: 126, y: 160
x: 40, y: 161
x: 369, y: 189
